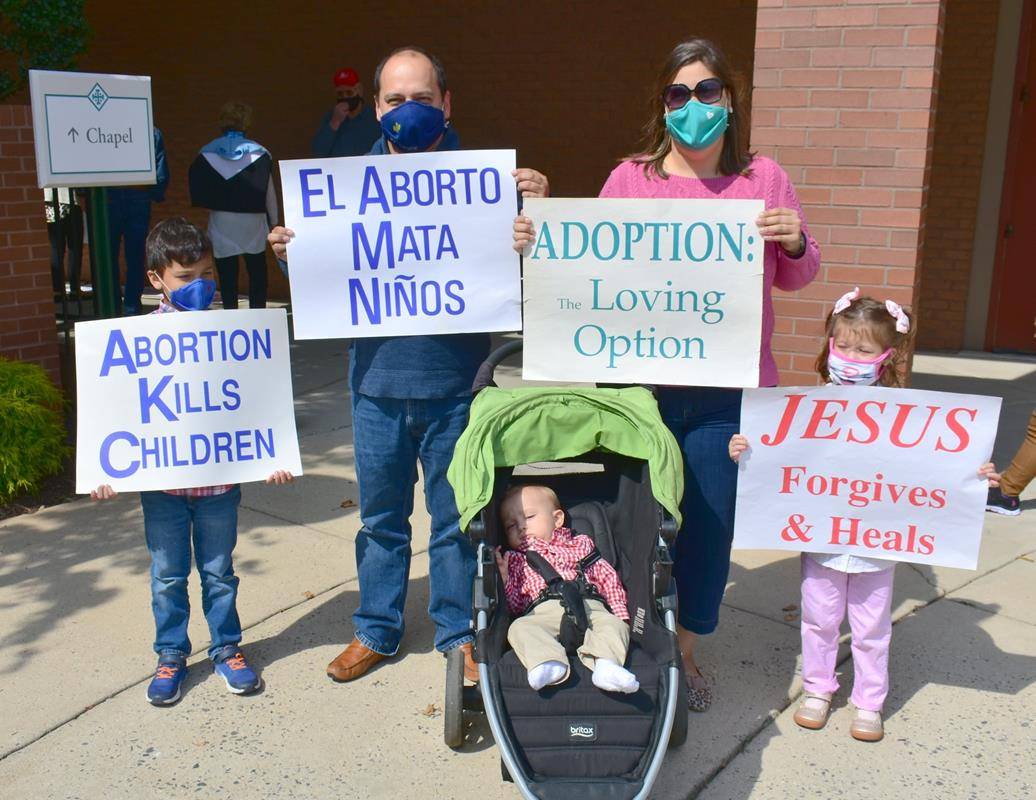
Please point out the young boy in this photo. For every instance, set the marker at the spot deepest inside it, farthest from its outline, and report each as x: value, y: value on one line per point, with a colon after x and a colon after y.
x: 179, y: 264
x: 533, y: 520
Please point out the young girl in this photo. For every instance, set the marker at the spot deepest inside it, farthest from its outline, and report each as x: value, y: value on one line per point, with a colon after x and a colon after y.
x: 866, y: 345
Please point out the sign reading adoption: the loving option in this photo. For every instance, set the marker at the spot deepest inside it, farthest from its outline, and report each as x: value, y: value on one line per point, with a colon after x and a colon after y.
x: 174, y: 401
x: 644, y: 291
x: 403, y: 244
x: 885, y: 473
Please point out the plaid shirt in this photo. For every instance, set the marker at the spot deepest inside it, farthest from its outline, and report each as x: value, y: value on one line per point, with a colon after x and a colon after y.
x: 563, y: 552
x: 198, y: 491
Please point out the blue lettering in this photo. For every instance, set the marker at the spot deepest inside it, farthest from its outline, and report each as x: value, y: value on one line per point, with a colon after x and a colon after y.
x: 688, y: 244
x: 196, y: 440
x: 221, y: 443
x: 261, y: 342
x: 725, y: 235
x: 451, y: 289
x: 544, y: 241
x: 373, y: 258
x: 243, y: 444
x: 401, y: 196
x: 106, y: 447
x: 446, y: 243
x: 596, y: 307
x: 308, y: 192
x: 356, y: 292
x: 489, y: 172
x: 372, y: 183
x: 595, y: 241
x: 565, y: 226
x: 149, y: 399
x: 116, y: 341
x: 331, y: 195
x: 264, y: 445
x: 232, y: 399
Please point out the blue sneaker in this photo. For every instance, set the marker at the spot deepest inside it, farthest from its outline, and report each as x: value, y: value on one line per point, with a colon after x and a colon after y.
x: 232, y: 667
x: 164, y: 689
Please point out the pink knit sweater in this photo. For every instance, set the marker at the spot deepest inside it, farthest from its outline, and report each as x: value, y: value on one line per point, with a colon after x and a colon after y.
x: 768, y: 182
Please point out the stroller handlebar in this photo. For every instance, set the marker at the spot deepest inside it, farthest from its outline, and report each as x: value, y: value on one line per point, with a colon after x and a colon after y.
x: 484, y: 376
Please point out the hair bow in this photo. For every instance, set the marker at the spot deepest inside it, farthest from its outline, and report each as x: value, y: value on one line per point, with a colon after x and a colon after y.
x: 902, y: 320
x: 845, y: 300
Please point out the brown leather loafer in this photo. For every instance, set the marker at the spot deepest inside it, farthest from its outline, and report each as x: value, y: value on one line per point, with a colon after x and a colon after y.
x: 470, y: 665
x: 353, y: 662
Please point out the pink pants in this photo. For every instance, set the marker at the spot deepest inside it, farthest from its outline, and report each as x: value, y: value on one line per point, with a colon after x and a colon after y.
x: 826, y: 595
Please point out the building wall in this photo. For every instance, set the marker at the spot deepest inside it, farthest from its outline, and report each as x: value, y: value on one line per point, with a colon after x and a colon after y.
x: 564, y: 83
x: 969, y: 41
x: 27, y: 328
x: 844, y: 100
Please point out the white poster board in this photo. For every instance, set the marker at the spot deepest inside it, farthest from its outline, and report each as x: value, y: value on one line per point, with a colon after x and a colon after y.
x: 644, y: 291
x: 92, y: 129
x: 878, y: 472
x: 401, y: 245
x: 180, y: 400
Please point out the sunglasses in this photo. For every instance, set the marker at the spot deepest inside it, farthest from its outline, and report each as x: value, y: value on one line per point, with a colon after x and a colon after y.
x: 677, y: 95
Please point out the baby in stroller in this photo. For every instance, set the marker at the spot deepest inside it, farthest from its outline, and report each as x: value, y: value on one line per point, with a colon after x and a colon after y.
x: 543, y: 554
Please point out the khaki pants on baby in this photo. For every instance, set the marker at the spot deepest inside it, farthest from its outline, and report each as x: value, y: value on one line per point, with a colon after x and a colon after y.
x: 534, y: 636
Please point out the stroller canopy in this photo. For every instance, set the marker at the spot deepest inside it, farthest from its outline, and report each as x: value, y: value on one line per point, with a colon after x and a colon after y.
x: 509, y: 427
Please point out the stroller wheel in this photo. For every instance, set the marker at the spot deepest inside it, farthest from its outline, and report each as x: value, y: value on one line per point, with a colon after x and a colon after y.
x: 679, y: 733
x: 453, y: 715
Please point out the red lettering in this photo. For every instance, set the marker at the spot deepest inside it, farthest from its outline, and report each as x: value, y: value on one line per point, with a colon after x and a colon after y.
x: 926, y: 545
x: 895, y: 435
x: 963, y: 437
x: 917, y: 496
x: 893, y: 541
x: 871, y: 538
x: 789, y: 478
x: 938, y: 498
x: 794, y: 401
x: 837, y: 530
x: 896, y: 491
x: 820, y: 406
x: 868, y: 421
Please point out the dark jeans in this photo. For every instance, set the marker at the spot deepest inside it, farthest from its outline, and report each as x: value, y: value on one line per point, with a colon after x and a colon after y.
x: 67, y: 232
x: 129, y: 215
x: 255, y: 263
x: 703, y: 419
x: 390, y: 437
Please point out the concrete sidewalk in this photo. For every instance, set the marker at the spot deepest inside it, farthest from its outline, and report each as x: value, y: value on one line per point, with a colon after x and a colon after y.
x: 75, y: 633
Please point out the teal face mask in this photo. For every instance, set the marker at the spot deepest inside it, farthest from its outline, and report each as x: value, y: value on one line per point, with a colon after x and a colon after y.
x: 697, y: 125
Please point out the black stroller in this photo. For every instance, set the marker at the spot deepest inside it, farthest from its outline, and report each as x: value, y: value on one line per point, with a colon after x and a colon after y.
x: 574, y: 741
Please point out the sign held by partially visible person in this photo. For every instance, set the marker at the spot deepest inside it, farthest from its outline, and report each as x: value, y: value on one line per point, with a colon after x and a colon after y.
x: 92, y: 129
x: 875, y: 472
x: 644, y: 291
x: 402, y: 245
x: 176, y: 401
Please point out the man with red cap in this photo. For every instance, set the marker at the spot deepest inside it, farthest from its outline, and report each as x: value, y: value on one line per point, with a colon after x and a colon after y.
x: 350, y: 128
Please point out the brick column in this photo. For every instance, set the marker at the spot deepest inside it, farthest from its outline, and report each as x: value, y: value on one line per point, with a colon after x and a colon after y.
x: 27, y: 327
x: 844, y: 99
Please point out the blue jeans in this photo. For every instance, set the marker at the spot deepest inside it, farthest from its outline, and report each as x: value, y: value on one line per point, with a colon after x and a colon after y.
x: 703, y: 419
x: 390, y: 436
x: 129, y: 215
x: 171, y: 524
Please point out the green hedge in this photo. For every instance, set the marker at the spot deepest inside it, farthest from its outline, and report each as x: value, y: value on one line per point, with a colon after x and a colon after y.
x: 32, y: 428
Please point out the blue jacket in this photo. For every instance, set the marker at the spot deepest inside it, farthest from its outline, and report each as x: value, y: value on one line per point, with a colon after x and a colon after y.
x: 354, y: 137
x: 417, y: 367
x: 144, y: 195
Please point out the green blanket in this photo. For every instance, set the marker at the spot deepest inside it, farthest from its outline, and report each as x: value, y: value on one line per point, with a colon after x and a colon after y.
x: 518, y: 426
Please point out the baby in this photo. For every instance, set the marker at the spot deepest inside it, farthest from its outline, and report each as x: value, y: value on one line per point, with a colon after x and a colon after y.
x: 533, y: 519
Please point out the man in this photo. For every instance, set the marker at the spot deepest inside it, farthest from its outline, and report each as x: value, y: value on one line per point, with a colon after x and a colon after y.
x: 410, y: 399
x: 350, y: 128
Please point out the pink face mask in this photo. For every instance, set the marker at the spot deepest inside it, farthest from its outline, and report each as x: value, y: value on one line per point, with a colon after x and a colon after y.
x: 846, y: 371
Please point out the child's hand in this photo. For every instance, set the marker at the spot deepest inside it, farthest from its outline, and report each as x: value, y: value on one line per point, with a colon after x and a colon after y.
x: 103, y: 492
x: 281, y: 476
x: 279, y: 238
x: 501, y: 563
x: 989, y: 473
x: 738, y: 445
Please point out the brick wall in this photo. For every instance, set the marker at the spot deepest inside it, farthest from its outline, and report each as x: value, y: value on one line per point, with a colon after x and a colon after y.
x: 968, y: 44
x: 564, y: 83
x: 844, y: 100
x: 27, y: 327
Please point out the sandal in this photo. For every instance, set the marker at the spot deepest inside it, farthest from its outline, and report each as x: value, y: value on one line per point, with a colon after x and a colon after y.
x: 813, y: 715
x: 699, y: 692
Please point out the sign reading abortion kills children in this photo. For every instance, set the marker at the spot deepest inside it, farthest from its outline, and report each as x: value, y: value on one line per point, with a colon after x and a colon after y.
x: 644, y: 291
x: 174, y: 401
x: 884, y: 473
x: 402, y: 245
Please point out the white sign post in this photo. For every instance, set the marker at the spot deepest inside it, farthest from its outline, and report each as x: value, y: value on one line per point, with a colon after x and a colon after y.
x: 878, y: 472
x: 92, y: 129
x: 644, y: 291
x: 175, y: 401
x: 403, y: 244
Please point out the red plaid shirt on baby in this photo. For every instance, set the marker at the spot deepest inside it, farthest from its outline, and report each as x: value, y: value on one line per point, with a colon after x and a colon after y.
x: 198, y: 491
x: 564, y: 551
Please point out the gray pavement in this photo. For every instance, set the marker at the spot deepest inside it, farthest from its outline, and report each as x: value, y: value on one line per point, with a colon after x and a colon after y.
x: 75, y: 631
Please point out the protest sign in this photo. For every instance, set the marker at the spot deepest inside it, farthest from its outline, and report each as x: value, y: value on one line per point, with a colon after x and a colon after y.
x: 644, y: 291
x: 175, y: 401
x: 878, y: 472
x: 402, y: 245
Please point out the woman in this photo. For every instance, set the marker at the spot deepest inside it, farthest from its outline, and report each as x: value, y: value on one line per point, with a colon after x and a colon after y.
x: 232, y: 176
x: 696, y: 146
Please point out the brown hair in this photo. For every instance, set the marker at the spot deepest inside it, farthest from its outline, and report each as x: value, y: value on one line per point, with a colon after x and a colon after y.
x: 872, y: 316
x: 736, y: 157
x: 235, y: 116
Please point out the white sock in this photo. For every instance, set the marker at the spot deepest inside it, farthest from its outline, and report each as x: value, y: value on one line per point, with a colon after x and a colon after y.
x: 868, y: 716
x: 612, y: 678
x: 547, y: 673
x: 816, y: 703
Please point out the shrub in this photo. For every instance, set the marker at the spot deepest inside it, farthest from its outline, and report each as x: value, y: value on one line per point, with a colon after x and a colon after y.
x: 39, y: 34
x: 32, y: 428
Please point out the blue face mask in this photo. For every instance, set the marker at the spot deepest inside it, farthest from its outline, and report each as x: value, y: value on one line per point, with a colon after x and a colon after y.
x: 697, y: 125
x: 413, y: 127
x: 194, y: 296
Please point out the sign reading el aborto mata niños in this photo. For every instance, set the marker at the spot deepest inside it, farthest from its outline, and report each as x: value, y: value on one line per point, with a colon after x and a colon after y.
x: 871, y: 471
x: 644, y: 291
x: 403, y: 244
x: 180, y: 400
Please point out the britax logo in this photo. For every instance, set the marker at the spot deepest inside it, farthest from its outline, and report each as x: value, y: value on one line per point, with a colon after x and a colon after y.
x: 638, y: 620
x: 582, y: 730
